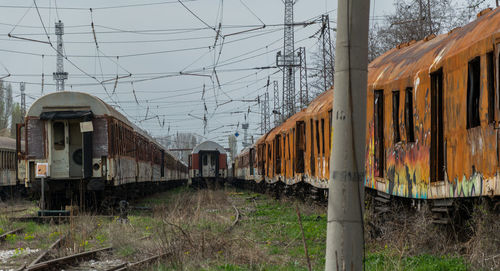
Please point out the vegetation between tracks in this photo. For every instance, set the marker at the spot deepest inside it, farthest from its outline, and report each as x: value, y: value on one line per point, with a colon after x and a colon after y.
x: 194, y: 229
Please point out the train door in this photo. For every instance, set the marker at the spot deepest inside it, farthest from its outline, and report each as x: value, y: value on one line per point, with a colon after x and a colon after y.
x: 496, y: 60
x: 252, y: 157
x: 59, y: 166
x: 378, y: 119
x: 437, y: 165
x: 209, y: 164
x: 75, y: 149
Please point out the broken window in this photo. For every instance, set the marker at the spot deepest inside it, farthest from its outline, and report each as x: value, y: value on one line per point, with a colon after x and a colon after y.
x: 395, y: 115
x: 473, y: 92
x: 491, y: 88
x: 410, y: 135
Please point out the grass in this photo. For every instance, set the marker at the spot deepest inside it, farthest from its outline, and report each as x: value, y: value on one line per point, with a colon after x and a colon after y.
x: 384, y: 261
x: 195, y: 229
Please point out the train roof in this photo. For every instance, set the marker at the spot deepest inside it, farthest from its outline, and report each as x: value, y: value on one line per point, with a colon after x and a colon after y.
x: 79, y: 101
x: 73, y: 100
x: 321, y: 103
x: 7, y: 143
x: 208, y: 146
x: 427, y: 55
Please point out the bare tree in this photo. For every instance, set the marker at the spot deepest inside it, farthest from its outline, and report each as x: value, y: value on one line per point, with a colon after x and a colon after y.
x: 416, y: 19
x: 16, y: 117
x: 5, y: 104
x: 184, y: 141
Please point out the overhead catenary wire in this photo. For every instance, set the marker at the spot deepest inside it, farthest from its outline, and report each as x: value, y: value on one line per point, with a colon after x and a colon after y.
x: 187, y: 70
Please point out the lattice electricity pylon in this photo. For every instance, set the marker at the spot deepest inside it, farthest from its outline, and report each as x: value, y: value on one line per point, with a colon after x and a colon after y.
x: 304, y: 92
x: 286, y: 61
x: 60, y: 75
x: 328, y: 54
x: 276, y: 111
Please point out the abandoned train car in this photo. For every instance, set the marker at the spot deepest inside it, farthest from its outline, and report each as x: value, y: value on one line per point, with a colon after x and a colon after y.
x: 89, y: 147
x: 9, y: 186
x: 207, y: 163
x: 433, y: 114
x: 433, y: 117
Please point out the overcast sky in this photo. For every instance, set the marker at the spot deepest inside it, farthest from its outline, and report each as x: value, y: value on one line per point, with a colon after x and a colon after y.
x: 155, y: 41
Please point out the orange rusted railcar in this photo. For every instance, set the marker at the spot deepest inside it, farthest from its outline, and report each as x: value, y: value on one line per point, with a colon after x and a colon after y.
x: 433, y: 112
x: 432, y: 121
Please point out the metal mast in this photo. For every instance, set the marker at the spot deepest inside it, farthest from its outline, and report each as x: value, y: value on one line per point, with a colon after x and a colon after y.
x: 262, y: 116
x: 267, y: 119
x: 276, y: 110
x: 60, y: 75
x: 328, y: 58
x: 22, y: 87
x: 245, y: 133
x: 304, y: 93
x: 286, y: 60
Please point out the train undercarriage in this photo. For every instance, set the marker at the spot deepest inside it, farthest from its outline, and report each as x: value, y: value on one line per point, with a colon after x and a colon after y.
x: 92, y: 196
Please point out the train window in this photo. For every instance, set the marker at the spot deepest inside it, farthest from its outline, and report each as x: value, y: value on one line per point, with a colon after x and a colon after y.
x: 410, y: 134
x: 212, y: 159
x: 58, y: 135
x: 473, y: 92
x: 491, y: 88
x: 395, y: 115
x: 205, y: 160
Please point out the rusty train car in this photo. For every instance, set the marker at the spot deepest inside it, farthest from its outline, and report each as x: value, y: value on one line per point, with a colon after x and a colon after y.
x: 207, y: 163
x: 90, y: 149
x: 433, y: 121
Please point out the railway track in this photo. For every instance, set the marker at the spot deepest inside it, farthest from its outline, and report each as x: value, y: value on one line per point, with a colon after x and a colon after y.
x: 5, y: 235
x: 66, y: 260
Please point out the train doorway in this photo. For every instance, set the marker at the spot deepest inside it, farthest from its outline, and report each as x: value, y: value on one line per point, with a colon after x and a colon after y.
x: 59, y: 166
x: 66, y: 149
x: 209, y: 164
x: 378, y: 118
x: 437, y: 165
x: 75, y: 149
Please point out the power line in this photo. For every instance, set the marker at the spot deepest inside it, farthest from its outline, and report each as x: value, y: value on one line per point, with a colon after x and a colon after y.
x: 97, y: 8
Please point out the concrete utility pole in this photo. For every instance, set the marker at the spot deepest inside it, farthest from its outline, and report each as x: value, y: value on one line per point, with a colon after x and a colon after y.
x: 60, y: 75
x: 344, y: 248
